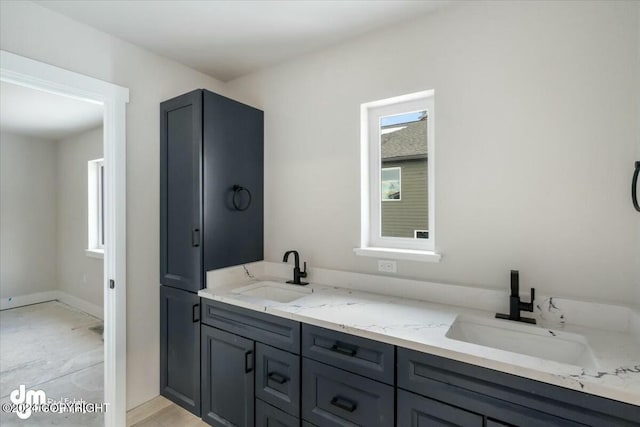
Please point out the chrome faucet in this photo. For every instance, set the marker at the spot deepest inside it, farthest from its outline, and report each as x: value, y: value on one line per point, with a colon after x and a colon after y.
x: 515, y: 305
x: 297, y: 274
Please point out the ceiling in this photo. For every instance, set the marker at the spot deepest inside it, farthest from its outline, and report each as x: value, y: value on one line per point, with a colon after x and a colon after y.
x: 228, y: 39
x: 38, y: 114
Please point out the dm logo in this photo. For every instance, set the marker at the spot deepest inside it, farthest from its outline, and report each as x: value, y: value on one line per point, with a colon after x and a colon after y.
x: 26, y: 400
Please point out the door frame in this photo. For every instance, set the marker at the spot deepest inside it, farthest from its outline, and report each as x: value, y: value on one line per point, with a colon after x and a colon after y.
x: 48, y: 78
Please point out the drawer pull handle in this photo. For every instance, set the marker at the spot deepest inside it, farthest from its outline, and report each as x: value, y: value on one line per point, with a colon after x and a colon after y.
x: 342, y: 349
x: 248, y: 361
x: 345, y: 404
x: 277, y: 378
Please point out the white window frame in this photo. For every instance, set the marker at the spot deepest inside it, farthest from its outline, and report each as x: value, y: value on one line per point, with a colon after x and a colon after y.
x: 399, y: 183
x: 372, y: 243
x: 95, y: 208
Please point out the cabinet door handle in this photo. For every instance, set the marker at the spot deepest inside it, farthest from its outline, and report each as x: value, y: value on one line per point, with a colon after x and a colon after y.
x: 248, y: 362
x: 195, y: 313
x: 343, y: 349
x: 195, y: 237
x: 277, y: 378
x: 344, y: 403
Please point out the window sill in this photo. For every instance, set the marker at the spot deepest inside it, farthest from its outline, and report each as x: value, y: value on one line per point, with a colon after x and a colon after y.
x: 95, y: 253
x: 408, y: 254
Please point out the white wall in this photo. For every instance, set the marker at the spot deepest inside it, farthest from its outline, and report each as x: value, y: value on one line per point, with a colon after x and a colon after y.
x: 27, y: 215
x: 78, y: 274
x: 536, y: 118
x: 35, y: 32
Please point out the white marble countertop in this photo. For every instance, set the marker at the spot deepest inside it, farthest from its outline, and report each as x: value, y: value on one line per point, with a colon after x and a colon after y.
x: 423, y: 326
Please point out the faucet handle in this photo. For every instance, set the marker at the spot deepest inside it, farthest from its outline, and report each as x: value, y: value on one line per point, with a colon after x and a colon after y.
x: 303, y: 273
x: 533, y: 295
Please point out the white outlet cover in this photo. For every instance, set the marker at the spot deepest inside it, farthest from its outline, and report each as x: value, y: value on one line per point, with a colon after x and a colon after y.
x: 387, y: 266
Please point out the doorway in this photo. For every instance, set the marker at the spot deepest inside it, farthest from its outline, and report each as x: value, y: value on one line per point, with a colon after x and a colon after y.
x: 25, y: 72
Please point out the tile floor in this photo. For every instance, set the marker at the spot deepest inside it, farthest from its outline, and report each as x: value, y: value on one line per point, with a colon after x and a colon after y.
x: 51, y: 347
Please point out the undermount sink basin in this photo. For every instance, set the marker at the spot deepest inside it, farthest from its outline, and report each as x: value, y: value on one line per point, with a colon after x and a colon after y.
x: 563, y: 347
x: 274, y: 291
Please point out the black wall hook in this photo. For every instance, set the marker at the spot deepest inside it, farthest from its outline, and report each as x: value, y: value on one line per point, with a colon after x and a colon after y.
x: 238, y: 189
x: 634, y: 186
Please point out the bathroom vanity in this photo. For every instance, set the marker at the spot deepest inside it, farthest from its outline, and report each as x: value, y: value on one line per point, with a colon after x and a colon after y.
x: 324, y: 356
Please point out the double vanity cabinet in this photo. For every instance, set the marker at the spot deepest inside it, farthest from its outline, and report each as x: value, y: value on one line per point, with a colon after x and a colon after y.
x: 263, y: 370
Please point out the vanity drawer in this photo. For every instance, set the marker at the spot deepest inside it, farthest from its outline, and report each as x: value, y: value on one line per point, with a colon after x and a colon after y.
x: 333, y: 397
x: 361, y: 356
x: 268, y: 416
x: 273, y: 330
x: 418, y: 411
x: 278, y: 378
x: 502, y: 397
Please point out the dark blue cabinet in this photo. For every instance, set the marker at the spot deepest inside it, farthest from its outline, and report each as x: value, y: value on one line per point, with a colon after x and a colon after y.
x: 333, y: 397
x: 211, y: 187
x: 180, y: 348
x: 506, y: 399
x: 232, y: 158
x: 180, y: 192
x: 228, y: 364
x: 418, y: 411
x: 268, y: 416
x: 211, y: 216
x: 250, y: 367
x: 274, y: 331
x: 371, y: 359
x: 278, y: 378
x: 264, y: 370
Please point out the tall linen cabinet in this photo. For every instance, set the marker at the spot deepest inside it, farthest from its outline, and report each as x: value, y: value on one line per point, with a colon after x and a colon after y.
x: 211, y: 216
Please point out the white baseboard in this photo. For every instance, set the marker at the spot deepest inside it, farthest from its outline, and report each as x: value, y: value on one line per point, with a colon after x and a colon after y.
x: 80, y: 304
x: 75, y: 302
x: 22, y: 300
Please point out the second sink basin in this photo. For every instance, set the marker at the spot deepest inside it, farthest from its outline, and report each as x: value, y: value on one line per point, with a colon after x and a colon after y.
x: 563, y: 347
x: 274, y: 291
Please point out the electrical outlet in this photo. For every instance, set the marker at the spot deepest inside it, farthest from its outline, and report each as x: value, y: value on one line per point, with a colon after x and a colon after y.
x: 387, y: 266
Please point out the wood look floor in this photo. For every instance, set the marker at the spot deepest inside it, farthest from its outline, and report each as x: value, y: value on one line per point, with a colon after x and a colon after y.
x: 160, y: 412
x: 51, y: 347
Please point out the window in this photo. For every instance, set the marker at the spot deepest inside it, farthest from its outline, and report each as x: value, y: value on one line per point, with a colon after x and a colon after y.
x: 96, y: 208
x: 391, y: 184
x: 398, y: 177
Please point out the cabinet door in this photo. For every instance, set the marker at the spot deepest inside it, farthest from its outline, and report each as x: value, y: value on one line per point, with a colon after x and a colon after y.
x: 233, y: 155
x: 227, y: 379
x: 181, y: 192
x: 180, y: 348
x: 417, y: 411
